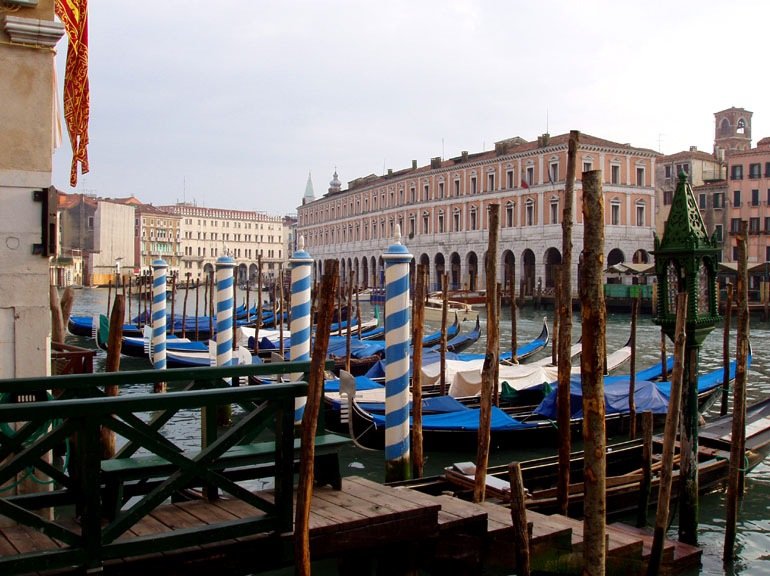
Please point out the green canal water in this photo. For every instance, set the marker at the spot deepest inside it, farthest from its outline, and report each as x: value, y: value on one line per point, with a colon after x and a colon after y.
x: 753, y: 534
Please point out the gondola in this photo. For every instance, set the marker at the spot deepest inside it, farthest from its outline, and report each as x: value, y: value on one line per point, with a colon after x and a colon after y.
x: 623, y: 461
x: 457, y: 428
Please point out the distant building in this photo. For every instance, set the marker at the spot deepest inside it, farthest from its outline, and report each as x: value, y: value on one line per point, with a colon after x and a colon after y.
x: 114, y: 245
x: 248, y: 236
x: 442, y: 212
x: 77, y: 213
x: 700, y: 167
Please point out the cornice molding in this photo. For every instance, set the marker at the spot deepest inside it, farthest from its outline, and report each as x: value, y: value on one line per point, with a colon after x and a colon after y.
x: 31, y: 31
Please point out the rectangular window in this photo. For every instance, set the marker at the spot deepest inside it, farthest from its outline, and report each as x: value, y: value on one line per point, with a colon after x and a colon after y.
x: 736, y: 172
x: 755, y: 170
x: 667, y: 170
x: 554, y: 213
x: 735, y: 225
x: 718, y: 200
x: 615, y: 214
x: 735, y: 253
x: 736, y: 198
x: 718, y: 232
x: 456, y: 221
x: 412, y: 195
x: 473, y: 185
x: 509, y: 179
x: 440, y: 223
x: 640, y: 215
x: 587, y: 166
x: 425, y: 221
x: 440, y: 190
x: 457, y: 187
x: 509, y: 215
x: 755, y: 197
x: 702, y: 201
x: 767, y: 224
x: 553, y: 172
x: 682, y: 168
x: 474, y: 222
x: 767, y: 169
x: 668, y: 195
x: 767, y: 253
x: 490, y: 182
x: 530, y: 178
x: 615, y: 174
x: 425, y: 192
x: 640, y: 176
x: 530, y: 214
x: 753, y: 225
x: 411, y: 227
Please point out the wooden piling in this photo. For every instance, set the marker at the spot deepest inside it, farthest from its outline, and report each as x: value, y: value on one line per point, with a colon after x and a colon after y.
x: 664, y: 363
x: 418, y: 319
x: 349, y: 331
x: 130, y: 287
x: 632, y: 372
x: 212, y: 290
x: 197, y: 301
x: 310, y: 419
x: 669, y: 438
x: 114, y: 345
x: 491, y: 357
x: 258, y: 324
x: 442, y: 346
x: 67, y: 300
x: 170, y: 323
x: 514, y: 309
x: 281, y: 313
x: 555, y: 331
x: 109, y: 295
x: 727, y: 319
x: 184, y: 304
x: 565, y: 335
x: 735, y: 481
x: 519, y: 520
x: 592, y: 375
x: 57, y: 318
x: 646, y: 483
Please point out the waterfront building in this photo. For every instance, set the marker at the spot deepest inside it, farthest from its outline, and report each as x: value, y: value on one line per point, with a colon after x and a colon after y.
x: 246, y: 235
x: 98, y: 233
x: 701, y: 168
x: 442, y: 211
x: 157, y: 234
x: 28, y: 36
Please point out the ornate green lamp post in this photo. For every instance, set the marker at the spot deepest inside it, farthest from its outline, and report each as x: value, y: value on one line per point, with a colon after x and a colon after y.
x: 686, y: 260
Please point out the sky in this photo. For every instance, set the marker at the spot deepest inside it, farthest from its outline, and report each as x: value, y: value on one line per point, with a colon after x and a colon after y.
x: 231, y: 104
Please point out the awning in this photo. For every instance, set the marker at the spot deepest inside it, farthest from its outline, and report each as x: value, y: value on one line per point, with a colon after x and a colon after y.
x: 631, y: 268
x: 753, y: 267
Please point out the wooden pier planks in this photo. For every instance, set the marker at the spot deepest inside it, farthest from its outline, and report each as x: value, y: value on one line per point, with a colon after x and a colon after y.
x: 366, y: 515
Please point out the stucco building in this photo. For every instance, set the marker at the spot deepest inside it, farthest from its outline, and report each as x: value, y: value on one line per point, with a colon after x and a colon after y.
x: 248, y: 236
x: 27, y: 38
x: 442, y: 211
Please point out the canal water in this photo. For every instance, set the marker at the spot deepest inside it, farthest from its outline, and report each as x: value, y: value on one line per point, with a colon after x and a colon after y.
x: 753, y: 554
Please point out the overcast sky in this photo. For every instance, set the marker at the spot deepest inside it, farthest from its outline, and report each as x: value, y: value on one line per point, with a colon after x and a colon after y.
x: 232, y: 103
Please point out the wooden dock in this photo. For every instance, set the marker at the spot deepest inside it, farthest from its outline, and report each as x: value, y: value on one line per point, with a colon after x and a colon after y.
x: 369, y: 526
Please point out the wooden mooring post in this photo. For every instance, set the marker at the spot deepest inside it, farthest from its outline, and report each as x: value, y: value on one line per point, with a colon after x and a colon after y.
x: 669, y: 438
x: 310, y: 419
x: 594, y: 317
x: 519, y: 520
x: 489, y: 369
x: 735, y: 482
x: 442, y: 346
x: 514, y: 310
x: 114, y: 345
x: 565, y: 335
x: 418, y: 319
x: 727, y: 319
x: 632, y: 372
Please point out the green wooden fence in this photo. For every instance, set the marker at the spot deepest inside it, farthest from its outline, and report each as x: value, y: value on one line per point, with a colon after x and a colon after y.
x: 32, y: 430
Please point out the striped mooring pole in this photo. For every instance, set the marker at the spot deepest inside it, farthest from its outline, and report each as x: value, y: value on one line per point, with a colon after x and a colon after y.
x: 301, y: 268
x: 397, y: 335
x: 224, y: 337
x: 159, y: 269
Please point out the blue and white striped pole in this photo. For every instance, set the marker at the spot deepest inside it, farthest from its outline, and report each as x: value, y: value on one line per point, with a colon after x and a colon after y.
x: 224, y: 338
x: 159, y: 269
x: 301, y: 269
x: 397, y: 336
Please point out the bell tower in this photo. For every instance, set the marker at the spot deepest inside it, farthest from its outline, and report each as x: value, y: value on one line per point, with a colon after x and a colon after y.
x: 732, y: 131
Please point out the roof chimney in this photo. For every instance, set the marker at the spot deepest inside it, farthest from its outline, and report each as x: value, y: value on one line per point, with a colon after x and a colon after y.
x: 435, y: 162
x: 693, y: 148
x: 414, y: 164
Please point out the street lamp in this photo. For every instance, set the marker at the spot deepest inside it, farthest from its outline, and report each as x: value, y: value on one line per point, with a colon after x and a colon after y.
x: 686, y: 261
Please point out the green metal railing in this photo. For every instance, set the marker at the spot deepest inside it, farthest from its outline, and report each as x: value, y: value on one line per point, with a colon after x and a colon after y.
x: 79, y: 417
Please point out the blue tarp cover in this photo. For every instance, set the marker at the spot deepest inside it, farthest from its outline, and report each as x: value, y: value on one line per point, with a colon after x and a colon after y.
x: 646, y: 395
x: 462, y: 420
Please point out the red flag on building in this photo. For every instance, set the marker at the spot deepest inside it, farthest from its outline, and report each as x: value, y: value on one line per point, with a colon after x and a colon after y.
x: 524, y: 183
x: 74, y: 16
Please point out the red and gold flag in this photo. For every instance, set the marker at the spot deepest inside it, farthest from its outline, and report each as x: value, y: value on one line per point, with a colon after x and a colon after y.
x: 74, y: 16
